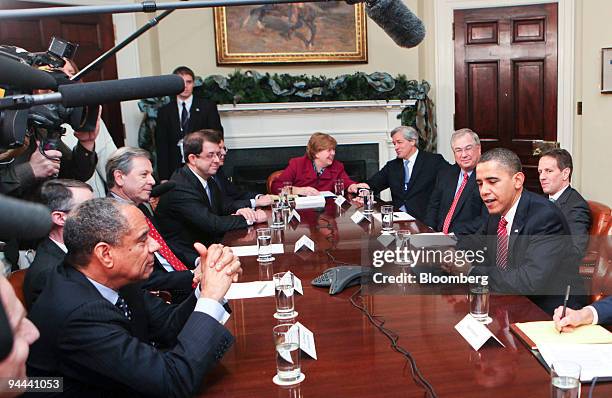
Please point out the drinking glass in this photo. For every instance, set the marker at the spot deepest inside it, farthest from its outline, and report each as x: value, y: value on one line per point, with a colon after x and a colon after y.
x: 479, y: 302
x: 286, y: 190
x: 402, y: 245
x: 278, y: 215
x: 287, y: 346
x: 339, y: 188
x: 283, y: 293
x: 565, y: 379
x: 368, y: 200
x: 386, y: 212
x: 264, y: 242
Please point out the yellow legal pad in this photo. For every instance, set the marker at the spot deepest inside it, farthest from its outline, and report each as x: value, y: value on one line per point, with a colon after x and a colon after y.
x: 544, y: 332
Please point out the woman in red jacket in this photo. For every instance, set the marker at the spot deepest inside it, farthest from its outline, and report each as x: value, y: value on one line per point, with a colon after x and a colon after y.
x: 317, y: 170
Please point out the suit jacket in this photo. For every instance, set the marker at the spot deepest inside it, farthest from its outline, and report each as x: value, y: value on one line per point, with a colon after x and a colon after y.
x: 99, y: 352
x: 421, y: 184
x: 470, y: 210
x: 186, y: 216
x: 540, y: 261
x: 302, y: 174
x: 48, y: 257
x: 604, y: 310
x: 239, y: 197
x: 178, y: 283
x: 203, y: 114
x: 578, y: 215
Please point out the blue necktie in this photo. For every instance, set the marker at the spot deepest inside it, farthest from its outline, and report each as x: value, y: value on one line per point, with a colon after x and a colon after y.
x: 122, y: 305
x: 406, y: 174
x: 184, y: 118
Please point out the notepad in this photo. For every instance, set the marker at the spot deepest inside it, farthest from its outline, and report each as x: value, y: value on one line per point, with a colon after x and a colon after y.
x: 544, y: 332
x: 594, y: 359
x: 397, y: 216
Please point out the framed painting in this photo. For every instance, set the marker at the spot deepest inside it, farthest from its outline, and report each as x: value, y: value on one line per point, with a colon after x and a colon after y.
x: 291, y: 33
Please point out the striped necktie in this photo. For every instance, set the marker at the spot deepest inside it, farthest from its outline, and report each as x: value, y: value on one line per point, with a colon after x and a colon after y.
x: 502, y: 244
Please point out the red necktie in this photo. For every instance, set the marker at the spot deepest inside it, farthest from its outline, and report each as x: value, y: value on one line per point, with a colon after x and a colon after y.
x: 502, y: 244
x: 164, y: 250
x: 449, y: 216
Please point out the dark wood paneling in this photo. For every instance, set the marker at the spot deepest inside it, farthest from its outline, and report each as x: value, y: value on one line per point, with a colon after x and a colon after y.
x: 529, y: 100
x: 528, y: 30
x: 482, y: 82
x: 482, y: 33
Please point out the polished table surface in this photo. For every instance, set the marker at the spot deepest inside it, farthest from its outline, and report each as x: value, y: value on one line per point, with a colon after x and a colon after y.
x: 354, y: 358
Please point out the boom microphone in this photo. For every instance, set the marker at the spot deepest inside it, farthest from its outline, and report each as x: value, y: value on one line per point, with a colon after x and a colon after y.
x: 16, y: 74
x: 23, y: 220
x: 96, y: 93
x: 405, y: 28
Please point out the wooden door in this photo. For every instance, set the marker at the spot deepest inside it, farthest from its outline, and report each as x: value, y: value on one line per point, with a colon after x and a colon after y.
x: 93, y: 33
x: 506, y: 78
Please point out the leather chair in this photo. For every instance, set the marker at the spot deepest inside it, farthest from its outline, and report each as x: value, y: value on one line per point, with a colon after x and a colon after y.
x: 601, y: 285
x: 16, y: 279
x: 601, y: 216
x: 271, y: 179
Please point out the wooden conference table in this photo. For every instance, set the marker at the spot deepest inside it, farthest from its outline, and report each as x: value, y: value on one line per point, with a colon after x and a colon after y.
x: 354, y: 358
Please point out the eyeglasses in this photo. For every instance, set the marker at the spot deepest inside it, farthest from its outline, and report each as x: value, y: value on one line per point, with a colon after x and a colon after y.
x: 459, y: 151
x: 211, y: 155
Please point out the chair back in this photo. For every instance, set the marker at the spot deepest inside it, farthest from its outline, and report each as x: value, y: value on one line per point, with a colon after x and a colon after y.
x: 271, y: 179
x: 601, y: 285
x: 600, y: 215
x: 16, y: 279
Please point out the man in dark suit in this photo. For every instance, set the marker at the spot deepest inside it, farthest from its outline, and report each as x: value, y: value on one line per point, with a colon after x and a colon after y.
x: 455, y: 204
x: 229, y: 189
x: 96, y: 325
x: 182, y: 115
x: 60, y: 196
x: 129, y: 175
x: 196, y: 209
x: 524, y: 238
x: 411, y: 176
x: 600, y: 312
x: 555, y: 169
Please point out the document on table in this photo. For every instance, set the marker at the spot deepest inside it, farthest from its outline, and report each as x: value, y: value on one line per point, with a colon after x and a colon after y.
x: 251, y: 250
x: 250, y: 290
x: 327, y: 194
x: 544, y: 332
x: 397, y: 216
x: 594, y: 359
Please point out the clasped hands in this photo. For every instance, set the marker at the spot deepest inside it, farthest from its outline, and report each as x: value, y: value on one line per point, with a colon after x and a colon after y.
x: 219, y: 267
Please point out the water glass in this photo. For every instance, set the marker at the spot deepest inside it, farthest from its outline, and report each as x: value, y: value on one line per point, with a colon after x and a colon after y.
x: 264, y: 245
x: 386, y: 213
x: 283, y: 293
x: 339, y: 188
x: 278, y: 215
x: 402, y: 245
x: 479, y: 302
x: 266, y: 271
x: 565, y: 379
x: 285, y: 191
x: 287, y: 344
x: 368, y: 200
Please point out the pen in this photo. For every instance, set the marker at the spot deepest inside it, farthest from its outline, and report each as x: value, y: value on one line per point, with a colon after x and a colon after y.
x: 567, y: 292
x: 262, y: 288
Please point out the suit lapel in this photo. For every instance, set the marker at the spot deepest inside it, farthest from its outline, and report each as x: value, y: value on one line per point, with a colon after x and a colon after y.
x: 194, y: 114
x: 519, y: 221
x: 195, y: 182
x: 564, y: 197
x: 175, y: 120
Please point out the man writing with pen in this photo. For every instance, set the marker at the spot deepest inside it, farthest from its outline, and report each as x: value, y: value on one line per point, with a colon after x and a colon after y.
x: 600, y: 312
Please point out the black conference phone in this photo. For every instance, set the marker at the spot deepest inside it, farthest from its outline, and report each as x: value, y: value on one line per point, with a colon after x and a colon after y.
x: 339, y: 278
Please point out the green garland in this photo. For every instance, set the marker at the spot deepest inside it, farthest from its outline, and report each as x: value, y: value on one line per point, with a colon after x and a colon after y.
x: 254, y: 87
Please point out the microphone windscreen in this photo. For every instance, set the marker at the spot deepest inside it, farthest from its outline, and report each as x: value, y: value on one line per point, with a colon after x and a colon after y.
x: 405, y: 28
x: 23, y: 220
x: 161, y: 189
x: 95, y: 93
x: 16, y: 74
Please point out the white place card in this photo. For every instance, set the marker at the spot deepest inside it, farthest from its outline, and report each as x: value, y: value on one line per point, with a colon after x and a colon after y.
x: 307, y: 342
x: 327, y: 194
x: 304, y: 241
x: 294, y: 215
x: 474, y: 332
x: 251, y: 250
x: 340, y: 200
x: 309, y: 202
x: 358, y: 217
x: 397, y: 216
x: 297, y: 283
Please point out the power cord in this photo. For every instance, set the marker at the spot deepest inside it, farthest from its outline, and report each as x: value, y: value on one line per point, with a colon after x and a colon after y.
x: 593, y: 382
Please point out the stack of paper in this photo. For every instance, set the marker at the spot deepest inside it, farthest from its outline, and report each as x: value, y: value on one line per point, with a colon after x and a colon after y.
x: 544, y: 332
x: 594, y: 359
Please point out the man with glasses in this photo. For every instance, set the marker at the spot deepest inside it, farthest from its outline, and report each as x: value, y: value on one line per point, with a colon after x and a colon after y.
x: 60, y: 196
x: 455, y: 204
x: 196, y: 209
x: 227, y: 187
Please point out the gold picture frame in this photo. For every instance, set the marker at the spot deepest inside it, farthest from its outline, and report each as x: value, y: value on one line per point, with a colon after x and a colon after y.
x: 291, y: 33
